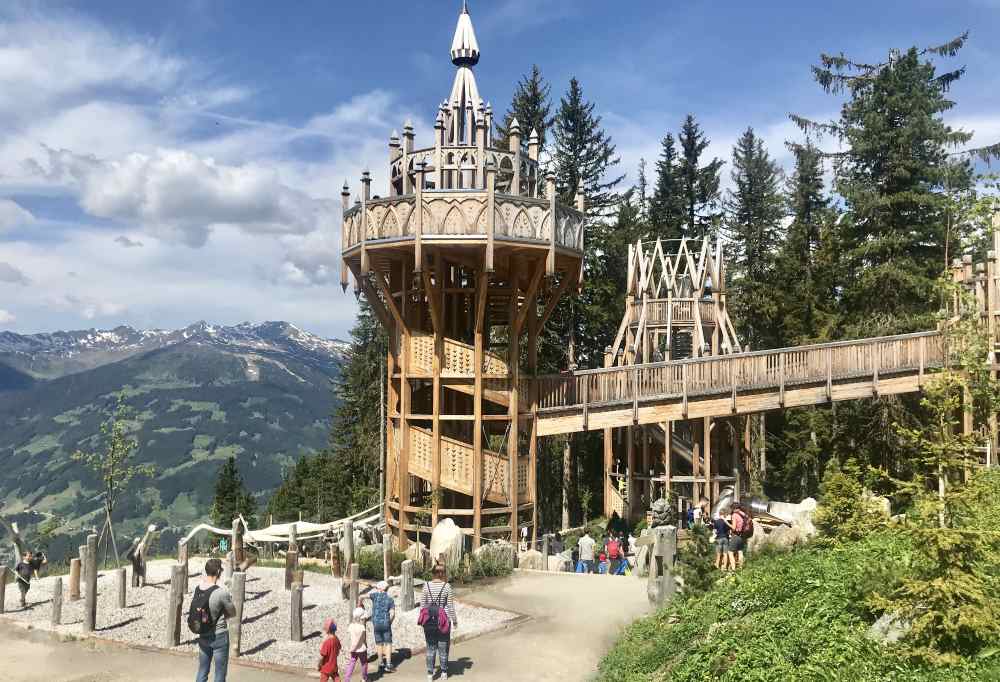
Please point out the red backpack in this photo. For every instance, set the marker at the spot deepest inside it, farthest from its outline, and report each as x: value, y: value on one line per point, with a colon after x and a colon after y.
x: 613, y: 549
x: 745, y: 530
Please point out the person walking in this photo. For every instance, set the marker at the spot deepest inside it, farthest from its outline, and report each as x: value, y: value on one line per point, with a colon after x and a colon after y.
x: 586, y: 547
x: 357, y: 650
x: 328, y: 653
x: 722, y: 533
x: 383, y: 614
x: 437, y: 616
x: 742, y: 530
x: 213, y: 638
x: 26, y: 570
x: 614, y: 550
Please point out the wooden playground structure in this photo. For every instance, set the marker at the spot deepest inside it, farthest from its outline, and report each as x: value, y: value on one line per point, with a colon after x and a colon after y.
x: 464, y: 262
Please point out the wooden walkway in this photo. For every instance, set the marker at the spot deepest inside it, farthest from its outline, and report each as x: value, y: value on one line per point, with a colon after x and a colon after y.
x: 743, y: 383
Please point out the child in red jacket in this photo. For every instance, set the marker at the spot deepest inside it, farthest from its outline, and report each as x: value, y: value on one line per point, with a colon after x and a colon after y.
x: 328, y: 653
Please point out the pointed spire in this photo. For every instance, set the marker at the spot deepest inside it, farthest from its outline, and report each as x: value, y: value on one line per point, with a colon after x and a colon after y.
x: 533, y: 138
x: 515, y: 127
x: 464, y: 46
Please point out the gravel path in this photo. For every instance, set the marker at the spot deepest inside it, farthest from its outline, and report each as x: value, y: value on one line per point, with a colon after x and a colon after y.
x: 265, y: 614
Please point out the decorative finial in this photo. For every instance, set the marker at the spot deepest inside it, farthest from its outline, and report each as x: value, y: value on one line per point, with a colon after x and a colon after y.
x: 408, y: 126
x: 533, y: 138
x: 346, y: 189
x: 515, y: 127
x: 465, y: 6
x: 464, y: 47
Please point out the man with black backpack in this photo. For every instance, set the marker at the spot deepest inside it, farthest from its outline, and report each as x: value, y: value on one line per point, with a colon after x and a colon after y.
x: 211, y: 605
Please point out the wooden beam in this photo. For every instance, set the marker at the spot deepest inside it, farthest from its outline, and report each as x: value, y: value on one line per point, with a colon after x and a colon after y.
x: 529, y: 301
x: 553, y: 300
x: 390, y: 302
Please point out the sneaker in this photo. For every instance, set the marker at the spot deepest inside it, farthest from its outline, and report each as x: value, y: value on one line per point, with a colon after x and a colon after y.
x: 430, y: 678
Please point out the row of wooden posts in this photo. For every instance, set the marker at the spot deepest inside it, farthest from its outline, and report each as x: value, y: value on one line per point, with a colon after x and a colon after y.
x: 84, y: 572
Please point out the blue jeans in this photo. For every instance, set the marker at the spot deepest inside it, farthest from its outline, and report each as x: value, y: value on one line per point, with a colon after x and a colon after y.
x: 214, y: 647
x: 440, y: 647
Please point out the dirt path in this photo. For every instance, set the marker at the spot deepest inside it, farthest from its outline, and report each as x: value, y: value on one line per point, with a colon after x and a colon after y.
x: 574, y: 620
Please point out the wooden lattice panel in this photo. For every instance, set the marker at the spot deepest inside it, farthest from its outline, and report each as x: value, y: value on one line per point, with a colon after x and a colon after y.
x: 523, y: 469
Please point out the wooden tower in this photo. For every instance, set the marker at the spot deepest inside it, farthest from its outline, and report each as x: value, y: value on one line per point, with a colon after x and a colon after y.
x: 675, y: 309
x: 462, y: 262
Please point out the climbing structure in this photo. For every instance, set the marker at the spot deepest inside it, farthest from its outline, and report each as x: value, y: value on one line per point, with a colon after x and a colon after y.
x: 675, y: 309
x: 463, y: 263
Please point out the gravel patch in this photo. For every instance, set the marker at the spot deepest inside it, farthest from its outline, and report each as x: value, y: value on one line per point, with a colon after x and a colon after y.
x: 266, y: 622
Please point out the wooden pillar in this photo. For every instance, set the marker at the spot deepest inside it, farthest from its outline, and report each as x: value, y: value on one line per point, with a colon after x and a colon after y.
x: 74, y: 580
x: 695, y: 466
x: 291, y: 562
x: 239, y: 553
x: 386, y: 560
x: 172, y: 629
x: 349, y: 553
x: 120, y: 592
x: 439, y: 330
x: 355, y: 588
x: 82, y: 553
x: 57, y: 599
x: 405, y: 397
x: 296, y: 613
x: 182, y: 560
x: 609, y: 457
x: 667, y: 457
x: 406, y: 586
x: 239, y: 594
x: 763, y: 446
x: 629, y: 508
x: 3, y: 588
x: 710, y: 491
x: 647, y: 486
x: 90, y: 605
x: 293, y: 538
x: 533, y: 435
x: 477, y: 410
x: 545, y: 552
x: 514, y: 362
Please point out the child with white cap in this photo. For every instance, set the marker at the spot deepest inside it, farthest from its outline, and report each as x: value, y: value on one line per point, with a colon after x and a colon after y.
x: 357, y: 650
x: 383, y: 614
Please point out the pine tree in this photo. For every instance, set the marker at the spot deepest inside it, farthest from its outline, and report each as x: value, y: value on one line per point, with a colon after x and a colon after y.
x: 584, y: 152
x: 699, y: 185
x: 754, y: 210
x: 667, y: 204
x: 808, y: 260
x: 231, y: 497
x: 531, y: 107
x: 891, y: 174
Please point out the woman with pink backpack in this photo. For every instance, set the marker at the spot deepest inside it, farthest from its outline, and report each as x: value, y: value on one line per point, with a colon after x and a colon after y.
x: 437, y: 616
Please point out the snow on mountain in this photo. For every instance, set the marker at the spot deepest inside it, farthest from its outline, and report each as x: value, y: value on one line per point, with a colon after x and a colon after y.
x: 49, y: 355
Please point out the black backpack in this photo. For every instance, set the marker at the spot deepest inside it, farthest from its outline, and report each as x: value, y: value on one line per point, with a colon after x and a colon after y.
x: 200, y: 620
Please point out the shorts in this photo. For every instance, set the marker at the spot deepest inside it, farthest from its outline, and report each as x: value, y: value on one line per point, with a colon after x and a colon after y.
x: 383, y: 634
x: 737, y: 543
x: 721, y: 545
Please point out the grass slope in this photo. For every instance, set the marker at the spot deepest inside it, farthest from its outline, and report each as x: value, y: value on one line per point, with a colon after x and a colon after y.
x: 794, y: 616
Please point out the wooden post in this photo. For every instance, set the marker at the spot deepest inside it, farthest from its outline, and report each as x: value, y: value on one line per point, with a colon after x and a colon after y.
x: 667, y: 456
x: 239, y: 553
x: 349, y: 557
x: 386, y: 558
x: 355, y: 570
x: 57, y: 599
x: 291, y: 561
x: 545, y: 552
x: 3, y: 588
x: 90, y: 606
x: 299, y: 576
x: 406, y: 586
x: 239, y: 594
x: 74, y: 580
x: 175, y: 599
x: 120, y: 579
x: 182, y: 560
x: 82, y: 553
x: 710, y: 490
x: 228, y: 567
x: 293, y: 538
x: 296, y: 613
x: 629, y: 507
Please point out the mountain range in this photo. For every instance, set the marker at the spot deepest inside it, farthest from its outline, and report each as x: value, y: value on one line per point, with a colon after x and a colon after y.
x: 262, y: 393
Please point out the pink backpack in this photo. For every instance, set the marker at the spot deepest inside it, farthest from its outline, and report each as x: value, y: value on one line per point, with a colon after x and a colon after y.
x: 434, y: 618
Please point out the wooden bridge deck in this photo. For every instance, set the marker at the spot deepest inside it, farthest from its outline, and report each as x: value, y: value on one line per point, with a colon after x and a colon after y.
x: 742, y: 383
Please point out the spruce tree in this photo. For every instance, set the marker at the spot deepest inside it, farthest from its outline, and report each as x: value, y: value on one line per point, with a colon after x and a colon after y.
x: 231, y: 497
x: 531, y: 107
x: 667, y: 204
x: 699, y: 184
x: 754, y: 210
x: 892, y: 175
x: 584, y: 152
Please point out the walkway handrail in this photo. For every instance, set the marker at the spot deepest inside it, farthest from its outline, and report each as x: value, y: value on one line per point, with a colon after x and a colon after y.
x: 775, y: 368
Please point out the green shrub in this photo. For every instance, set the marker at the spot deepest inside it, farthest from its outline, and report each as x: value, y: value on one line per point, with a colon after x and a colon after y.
x: 371, y: 564
x: 696, y: 561
x: 791, y: 616
x: 843, y: 512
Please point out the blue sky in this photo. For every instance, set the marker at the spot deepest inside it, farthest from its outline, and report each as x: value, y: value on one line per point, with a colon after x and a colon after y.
x: 168, y: 162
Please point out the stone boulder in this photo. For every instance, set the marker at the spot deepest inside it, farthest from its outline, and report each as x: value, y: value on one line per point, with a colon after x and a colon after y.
x: 447, y: 543
x: 531, y: 559
x: 561, y: 562
x: 878, y: 504
x: 888, y: 629
x: 418, y: 553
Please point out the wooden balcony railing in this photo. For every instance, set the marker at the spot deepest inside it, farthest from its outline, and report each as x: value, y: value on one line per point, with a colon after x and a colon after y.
x: 773, y: 370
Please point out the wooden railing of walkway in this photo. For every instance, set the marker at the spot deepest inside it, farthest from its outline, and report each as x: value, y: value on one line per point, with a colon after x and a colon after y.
x: 741, y: 383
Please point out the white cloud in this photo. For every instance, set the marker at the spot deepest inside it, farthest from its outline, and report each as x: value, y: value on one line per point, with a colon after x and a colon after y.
x: 6, y: 317
x: 12, y: 275
x: 179, y: 196
x: 13, y: 215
